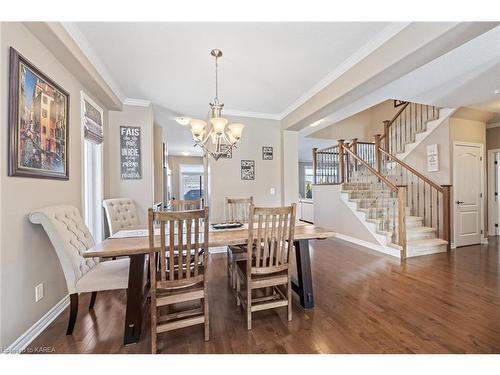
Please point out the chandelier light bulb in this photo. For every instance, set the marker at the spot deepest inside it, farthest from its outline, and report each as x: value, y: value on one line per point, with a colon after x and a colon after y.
x: 219, y: 124
x: 236, y: 130
x: 198, y: 128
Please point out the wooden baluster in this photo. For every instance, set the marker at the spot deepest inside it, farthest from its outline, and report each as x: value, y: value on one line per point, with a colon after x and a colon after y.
x: 315, y: 166
x: 446, y: 215
x: 341, y: 161
x: 402, y: 219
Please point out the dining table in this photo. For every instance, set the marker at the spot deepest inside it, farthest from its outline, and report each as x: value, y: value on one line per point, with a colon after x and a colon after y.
x: 135, y: 245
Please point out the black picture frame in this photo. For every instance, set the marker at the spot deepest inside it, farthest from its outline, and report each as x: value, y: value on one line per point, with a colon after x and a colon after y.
x: 248, y: 170
x: 398, y: 103
x: 29, y: 137
x: 227, y: 152
x: 267, y: 153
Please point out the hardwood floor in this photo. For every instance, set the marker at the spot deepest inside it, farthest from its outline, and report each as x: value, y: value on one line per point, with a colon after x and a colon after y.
x: 365, y: 303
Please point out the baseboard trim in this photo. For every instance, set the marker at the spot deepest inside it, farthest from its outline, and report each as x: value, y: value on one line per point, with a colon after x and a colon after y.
x: 382, y: 249
x: 484, y: 241
x: 36, y: 329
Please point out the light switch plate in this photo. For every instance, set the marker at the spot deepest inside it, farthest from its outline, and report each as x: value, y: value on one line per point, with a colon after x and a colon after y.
x: 38, y: 292
x: 272, y: 191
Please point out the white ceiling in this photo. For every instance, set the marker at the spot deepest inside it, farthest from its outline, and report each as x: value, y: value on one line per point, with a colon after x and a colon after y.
x: 266, y: 67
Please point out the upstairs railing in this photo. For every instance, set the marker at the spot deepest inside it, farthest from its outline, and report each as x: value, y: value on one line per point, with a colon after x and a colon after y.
x: 411, y: 119
x: 326, y: 168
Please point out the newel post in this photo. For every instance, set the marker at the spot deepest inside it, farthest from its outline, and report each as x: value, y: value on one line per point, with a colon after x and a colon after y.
x: 354, y: 148
x: 386, y: 135
x: 341, y: 161
x: 315, y: 165
x: 446, y: 215
x: 378, y: 155
x: 402, y: 219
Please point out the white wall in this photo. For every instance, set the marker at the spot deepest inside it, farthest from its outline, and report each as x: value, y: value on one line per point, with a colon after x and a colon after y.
x: 330, y: 212
x: 142, y: 191
x: 225, y: 178
x: 26, y: 256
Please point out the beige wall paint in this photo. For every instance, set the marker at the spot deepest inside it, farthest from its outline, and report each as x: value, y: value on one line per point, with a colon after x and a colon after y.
x: 418, y: 157
x: 158, y: 164
x: 363, y: 125
x: 26, y: 257
x: 225, y: 177
x: 141, y: 191
x: 493, y: 137
x: 174, y: 163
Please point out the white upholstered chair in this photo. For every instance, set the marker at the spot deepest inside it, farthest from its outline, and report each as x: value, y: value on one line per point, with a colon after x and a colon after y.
x: 71, y: 238
x: 121, y: 214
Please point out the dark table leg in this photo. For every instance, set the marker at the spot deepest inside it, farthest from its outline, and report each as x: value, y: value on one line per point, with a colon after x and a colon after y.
x: 136, y: 297
x: 303, y: 287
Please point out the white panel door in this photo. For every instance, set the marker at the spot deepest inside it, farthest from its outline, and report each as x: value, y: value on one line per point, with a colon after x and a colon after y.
x: 467, y: 194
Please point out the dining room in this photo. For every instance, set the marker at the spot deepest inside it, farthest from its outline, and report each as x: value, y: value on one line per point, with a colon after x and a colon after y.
x: 207, y: 186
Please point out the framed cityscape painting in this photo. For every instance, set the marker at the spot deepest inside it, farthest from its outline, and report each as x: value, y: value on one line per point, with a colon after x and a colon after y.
x: 38, y: 122
x: 248, y: 169
x: 267, y: 153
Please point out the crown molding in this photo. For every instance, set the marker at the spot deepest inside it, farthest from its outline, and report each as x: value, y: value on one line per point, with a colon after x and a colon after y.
x: 137, y: 102
x: 263, y: 115
x: 374, y: 43
x: 82, y: 42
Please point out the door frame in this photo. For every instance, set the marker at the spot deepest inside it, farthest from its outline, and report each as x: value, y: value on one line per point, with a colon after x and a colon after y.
x: 493, y: 207
x: 483, y: 239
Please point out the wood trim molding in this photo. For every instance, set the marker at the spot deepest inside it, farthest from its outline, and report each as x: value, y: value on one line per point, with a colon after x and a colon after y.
x: 36, y: 329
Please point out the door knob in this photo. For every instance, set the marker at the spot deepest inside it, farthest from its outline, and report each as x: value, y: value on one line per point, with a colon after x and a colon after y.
x: 459, y: 202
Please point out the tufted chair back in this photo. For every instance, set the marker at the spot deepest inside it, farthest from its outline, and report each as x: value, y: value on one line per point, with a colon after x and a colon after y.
x: 70, y: 237
x: 121, y: 214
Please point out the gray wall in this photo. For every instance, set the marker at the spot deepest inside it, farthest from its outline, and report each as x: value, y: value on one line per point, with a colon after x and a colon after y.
x: 26, y: 256
x: 225, y: 177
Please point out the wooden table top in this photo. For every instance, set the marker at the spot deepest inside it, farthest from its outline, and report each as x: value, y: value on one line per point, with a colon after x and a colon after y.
x: 115, y: 247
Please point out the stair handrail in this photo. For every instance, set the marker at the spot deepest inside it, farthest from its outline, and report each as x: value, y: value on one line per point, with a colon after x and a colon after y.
x: 372, y: 170
x: 400, y: 191
x: 388, y: 123
x: 443, y: 189
x: 438, y: 187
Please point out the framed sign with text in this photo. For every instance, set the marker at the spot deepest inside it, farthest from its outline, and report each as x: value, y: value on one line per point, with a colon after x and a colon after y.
x: 130, y: 153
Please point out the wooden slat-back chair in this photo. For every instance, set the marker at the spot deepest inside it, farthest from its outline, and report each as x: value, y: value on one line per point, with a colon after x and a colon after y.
x: 236, y: 209
x: 267, y: 259
x: 181, y: 277
x: 185, y: 205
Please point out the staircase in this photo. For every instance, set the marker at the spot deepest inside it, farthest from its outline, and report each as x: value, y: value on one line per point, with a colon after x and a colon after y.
x: 407, y: 213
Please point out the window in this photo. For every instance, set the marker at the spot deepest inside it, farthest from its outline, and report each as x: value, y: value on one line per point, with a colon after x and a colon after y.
x: 308, y: 181
x: 191, y: 182
x: 92, y: 169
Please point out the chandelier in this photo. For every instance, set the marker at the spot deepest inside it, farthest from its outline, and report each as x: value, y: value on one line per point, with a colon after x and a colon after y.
x: 215, y: 137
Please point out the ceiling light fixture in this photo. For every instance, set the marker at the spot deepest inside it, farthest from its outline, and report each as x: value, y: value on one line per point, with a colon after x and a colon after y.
x: 216, y: 137
x: 184, y: 121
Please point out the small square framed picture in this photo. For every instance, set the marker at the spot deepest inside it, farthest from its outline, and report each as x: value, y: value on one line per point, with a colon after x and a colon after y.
x: 267, y: 153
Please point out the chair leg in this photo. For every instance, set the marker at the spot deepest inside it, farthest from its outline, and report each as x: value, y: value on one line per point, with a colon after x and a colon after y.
x: 229, y: 269
x: 289, y: 297
x: 73, y: 312
x: 249, y: 305
x: 207, y: 317
x: 238, y: 288
x: 92, y: 300
x: 153, y: 322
